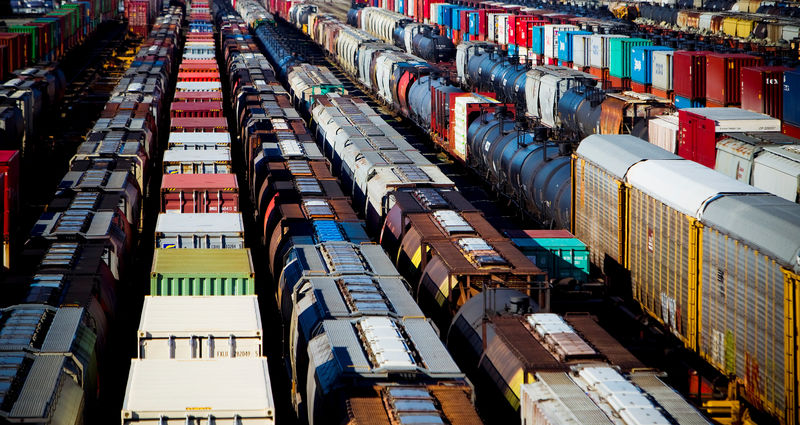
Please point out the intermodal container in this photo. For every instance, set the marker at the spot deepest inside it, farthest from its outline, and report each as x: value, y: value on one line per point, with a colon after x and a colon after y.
x: 199, y: 125
x: 216, y: 161
x: 200, y: 327
x: 620, y: 55
x: 642, y: 63
x: 556, y: 252
x: 701, y: 129
x: 196, y: 109
x: 199, y: 193
x: 202, y: 272
x: 762, y: 89
x: 200, y: 231
x: 723, y: 76
x: 565, y: 44
x: 691, y: 66
x: 9, y: 170
x: 791, y: 97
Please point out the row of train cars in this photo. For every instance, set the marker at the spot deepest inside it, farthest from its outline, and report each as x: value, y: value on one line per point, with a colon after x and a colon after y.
x: 358, y: 347
x: 713, y: 259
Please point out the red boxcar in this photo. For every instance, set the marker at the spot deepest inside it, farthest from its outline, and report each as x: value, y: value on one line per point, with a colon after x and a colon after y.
x: 762, y: 89
x: 199, y: 193
x: 724, y: 76
x: 691, y: 66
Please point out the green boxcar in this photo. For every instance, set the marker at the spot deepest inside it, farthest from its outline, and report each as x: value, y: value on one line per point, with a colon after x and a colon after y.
x: 558, y: 253
x: 202, y: 272
x: 619, y: 55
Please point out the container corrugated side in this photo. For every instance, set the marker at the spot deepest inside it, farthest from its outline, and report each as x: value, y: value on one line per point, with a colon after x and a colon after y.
x: 202, y: 272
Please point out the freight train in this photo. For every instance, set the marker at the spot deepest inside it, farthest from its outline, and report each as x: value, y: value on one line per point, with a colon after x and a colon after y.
x: 357, y: 347
x: 445, y: 247
x: 29, y: 56
x: 60, y: 303
x: 503, y: 149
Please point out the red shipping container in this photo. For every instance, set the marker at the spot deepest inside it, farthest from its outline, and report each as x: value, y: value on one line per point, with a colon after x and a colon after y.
x: 762, y: 89
x: 15, y: 50
x: 791, y: 130
x: 199, y: 193
x: 195, y: 109
x: 699, y: 130
x: 691, y: 66
x: 198, y: 96
x: 199, y: 125
x: 724, y: 76
x: 198, y: 76
x: 9, y: 171
x: 4, y: 67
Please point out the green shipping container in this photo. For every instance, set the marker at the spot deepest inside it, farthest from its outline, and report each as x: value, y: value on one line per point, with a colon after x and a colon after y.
x: 619, y: 55
x: 202, y: 272
x: 561, y: 256
x: 33, y: 39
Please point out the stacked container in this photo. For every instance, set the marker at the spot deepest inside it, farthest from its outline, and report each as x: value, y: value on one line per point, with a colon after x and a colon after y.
x: 690, y: 89
x: 202, y: 316
x: 762, y: 90
x: 724, y: 76
x: 619, y: 59
x: 791, y: 103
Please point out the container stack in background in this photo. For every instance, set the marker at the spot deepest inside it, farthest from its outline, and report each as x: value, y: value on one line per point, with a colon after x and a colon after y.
x: 200, y: 339
x: 29, y: 56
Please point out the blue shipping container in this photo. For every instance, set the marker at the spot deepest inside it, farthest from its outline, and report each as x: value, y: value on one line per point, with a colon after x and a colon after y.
x: 642, y: 63
x: 512, y: 49
x: 537, y: 40
x: 791, y: 97
x: 682, y: 102
x: 565, y: 44
x: 474, y: 21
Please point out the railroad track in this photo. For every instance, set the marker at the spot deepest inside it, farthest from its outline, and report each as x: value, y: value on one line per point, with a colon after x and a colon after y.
x: 476, y: 190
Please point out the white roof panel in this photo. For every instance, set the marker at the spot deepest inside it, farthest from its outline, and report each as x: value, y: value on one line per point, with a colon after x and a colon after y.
x: 175, y: 388
x: 210, y: 314
x: 736, y: 119
x: 684, y: 185
x: 203, y: 138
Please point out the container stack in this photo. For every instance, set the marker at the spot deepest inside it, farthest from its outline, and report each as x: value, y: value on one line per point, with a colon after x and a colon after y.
x: 200, y: 337
x: 54, y: 345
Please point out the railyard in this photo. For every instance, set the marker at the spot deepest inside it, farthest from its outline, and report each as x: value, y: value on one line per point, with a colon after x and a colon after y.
x: 318, y: 212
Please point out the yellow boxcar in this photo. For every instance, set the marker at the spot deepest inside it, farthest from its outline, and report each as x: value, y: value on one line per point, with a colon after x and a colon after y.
x: 598, y: 171
x: 665, y: 200
x: 748, y: 299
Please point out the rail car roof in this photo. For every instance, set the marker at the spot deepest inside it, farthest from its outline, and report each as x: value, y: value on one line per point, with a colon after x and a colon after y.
x: 200, y: 314
x: 769, y: 223
x: 617, y: 153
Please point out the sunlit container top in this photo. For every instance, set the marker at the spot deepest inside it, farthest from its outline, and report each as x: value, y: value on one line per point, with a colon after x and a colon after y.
x: 199, y: 223
x: 231, y: 391
x: 737, y: 120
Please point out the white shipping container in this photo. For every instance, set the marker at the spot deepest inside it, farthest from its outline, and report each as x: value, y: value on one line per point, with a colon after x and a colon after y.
x: 777, y: 170
x: 663, y: 132
x: 460, y: 129
x: 199, y: 141
x: 197, y: 161
x: 551, y: 38
x: 200, y: 231
x: 502, y: 29
x: 580, y: 50
x: 200, y: 327
x: 177, y: 392
x: 662, y: 69
x: 198, y: 85
x: 598, y: 54
x: 735, y: 158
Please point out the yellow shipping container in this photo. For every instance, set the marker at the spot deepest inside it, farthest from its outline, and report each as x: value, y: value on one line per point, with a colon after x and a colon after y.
x: 729, y: 26
x: 744, y: 27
